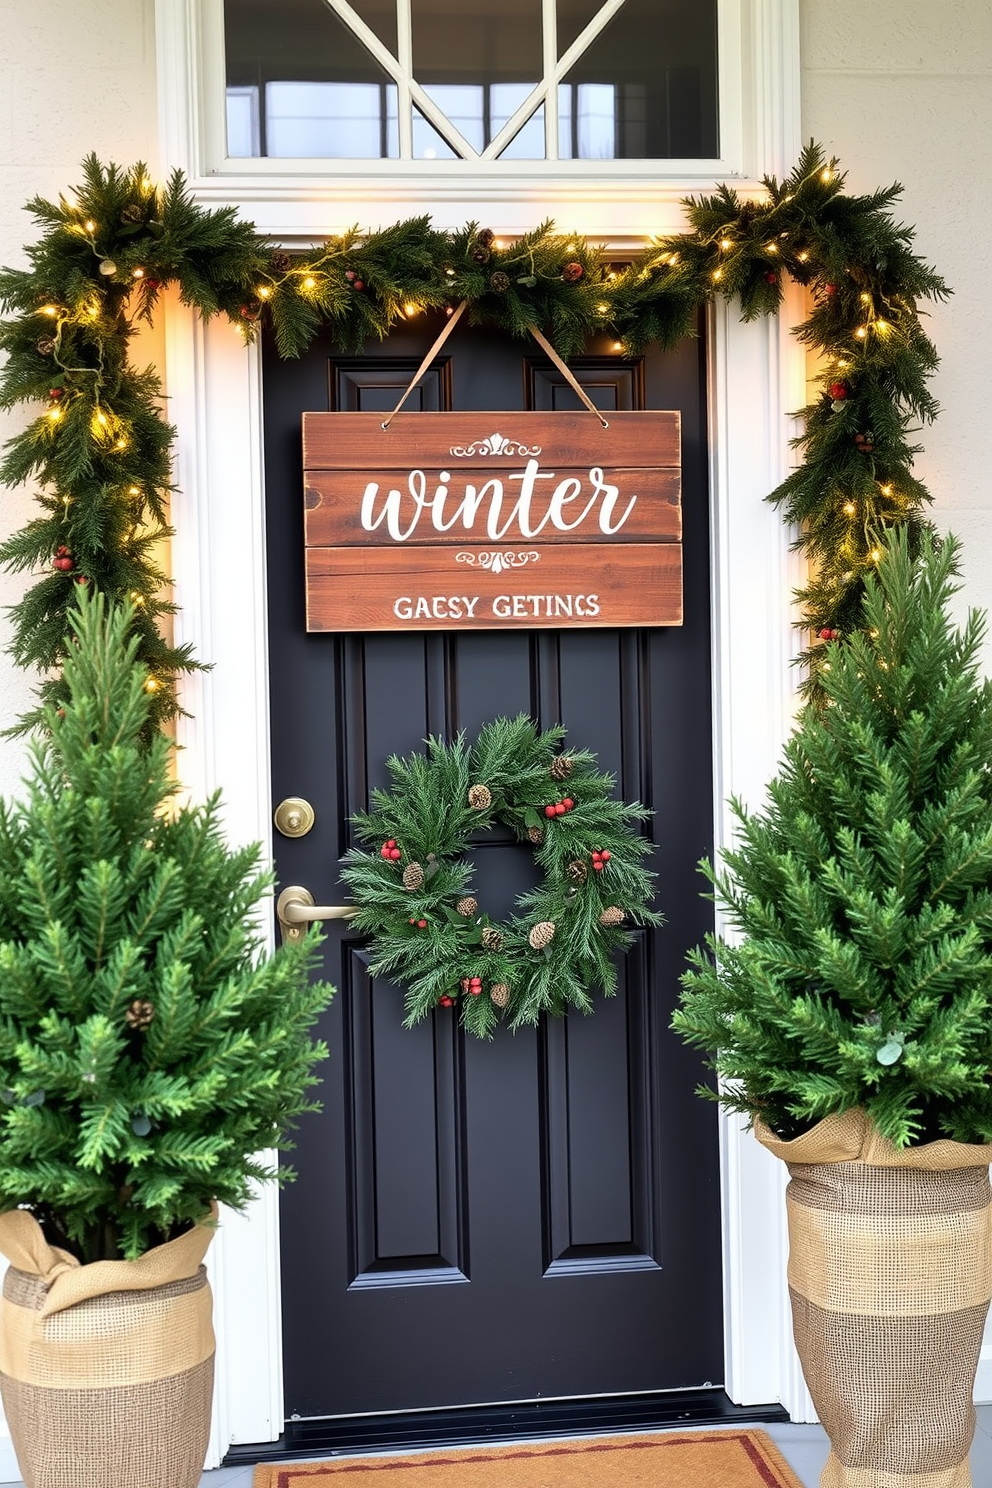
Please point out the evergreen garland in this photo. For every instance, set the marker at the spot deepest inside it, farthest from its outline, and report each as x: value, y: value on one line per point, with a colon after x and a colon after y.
x: 863, y: 891
x: 412, y: 890
x: 149, y: 1051
x: 100, y: 448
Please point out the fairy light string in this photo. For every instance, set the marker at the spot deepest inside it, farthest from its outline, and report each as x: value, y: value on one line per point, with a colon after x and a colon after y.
x: 99, y: 449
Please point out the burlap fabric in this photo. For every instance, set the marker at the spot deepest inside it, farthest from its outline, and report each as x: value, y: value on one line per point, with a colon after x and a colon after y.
x: 890, y: 1275
x: 106, y: 1371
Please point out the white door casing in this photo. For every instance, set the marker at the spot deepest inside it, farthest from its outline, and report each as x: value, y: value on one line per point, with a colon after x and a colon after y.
x: 757, y: 377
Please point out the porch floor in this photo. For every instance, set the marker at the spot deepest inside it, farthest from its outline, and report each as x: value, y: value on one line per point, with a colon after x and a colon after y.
x: 804, y: 1448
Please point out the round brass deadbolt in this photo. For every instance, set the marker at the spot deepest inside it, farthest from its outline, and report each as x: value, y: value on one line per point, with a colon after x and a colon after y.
x: 294, y: 817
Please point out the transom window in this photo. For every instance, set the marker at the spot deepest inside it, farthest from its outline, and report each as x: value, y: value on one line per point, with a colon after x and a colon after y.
x: 472, y: 79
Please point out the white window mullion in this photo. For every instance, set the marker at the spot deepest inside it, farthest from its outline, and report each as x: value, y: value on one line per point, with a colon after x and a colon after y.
x: 585, y: 38
x: 517, y: 120
x: 404, y: 46
x: 550, y: 24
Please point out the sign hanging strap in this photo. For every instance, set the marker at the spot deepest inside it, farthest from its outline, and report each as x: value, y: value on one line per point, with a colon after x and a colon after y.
x: 580, y: 391
x: 449, y: 326
x: 539, y: 337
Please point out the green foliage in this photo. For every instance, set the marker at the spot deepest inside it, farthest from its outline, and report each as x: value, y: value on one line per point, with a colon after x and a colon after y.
x: 100, y: 447
x: 860, y: 973
x: 148, y: 1049
x: 420, y: 936
x: 855, y: 480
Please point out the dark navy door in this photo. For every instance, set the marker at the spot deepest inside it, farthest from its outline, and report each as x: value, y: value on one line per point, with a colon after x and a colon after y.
x: 537, y: 1216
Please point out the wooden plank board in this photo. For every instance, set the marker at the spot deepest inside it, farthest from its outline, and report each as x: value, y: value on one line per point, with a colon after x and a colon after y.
x: 474, y: 588
x: 374, y: 506
x: 344, y: 441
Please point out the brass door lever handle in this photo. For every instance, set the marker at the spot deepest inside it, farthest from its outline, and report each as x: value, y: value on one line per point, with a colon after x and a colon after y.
x: 295, y: 909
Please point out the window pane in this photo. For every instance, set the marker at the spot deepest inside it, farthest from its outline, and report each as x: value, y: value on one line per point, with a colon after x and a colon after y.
x: 528, y: 142
x: 243, y: 134
x: 380, y: 17
x: 464, y: 105
x: 299, y: 56
x: 468, y: 50
x: 573, y: 17
x: 654, y: 68
x: 342, y: 121
x: 427, y: 143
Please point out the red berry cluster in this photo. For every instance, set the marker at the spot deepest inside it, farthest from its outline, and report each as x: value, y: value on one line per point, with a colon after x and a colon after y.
x: 420, y: 924
x: 353, y: 279
x: 63, y: 560
x: 471, y: 986
x: 771, y: 277
x: 864, y: 442
x: 599, y: 859
x: 826, y: 634
x: 560, y: 807
x: 389, y: 850
x: 838, y: 390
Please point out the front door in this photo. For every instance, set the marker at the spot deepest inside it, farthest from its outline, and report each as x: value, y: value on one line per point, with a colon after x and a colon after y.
x: 537, y: 1216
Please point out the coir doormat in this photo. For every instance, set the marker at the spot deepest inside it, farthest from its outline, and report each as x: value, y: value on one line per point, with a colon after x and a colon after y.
x: 697, y: 1459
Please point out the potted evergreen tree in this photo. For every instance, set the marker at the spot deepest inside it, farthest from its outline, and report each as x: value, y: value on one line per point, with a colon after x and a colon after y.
x: 850, y: 1017
x: 149, y: 1051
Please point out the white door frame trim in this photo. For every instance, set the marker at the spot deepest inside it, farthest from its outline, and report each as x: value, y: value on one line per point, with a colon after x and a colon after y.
x: 214, y: 384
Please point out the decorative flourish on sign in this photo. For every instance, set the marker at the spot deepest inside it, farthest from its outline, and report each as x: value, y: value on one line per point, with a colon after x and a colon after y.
x: 496, y: 444
x: 499, y: 558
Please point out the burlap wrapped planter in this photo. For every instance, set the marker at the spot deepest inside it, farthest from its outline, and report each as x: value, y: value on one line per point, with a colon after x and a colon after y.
x: 890, y: 1275
x: 106, y: 1371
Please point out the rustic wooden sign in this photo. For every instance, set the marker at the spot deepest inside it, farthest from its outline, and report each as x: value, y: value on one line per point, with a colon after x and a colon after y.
x: 484, y: 521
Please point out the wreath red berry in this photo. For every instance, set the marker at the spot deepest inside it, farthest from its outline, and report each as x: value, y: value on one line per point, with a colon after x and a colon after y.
x: 428, y: 932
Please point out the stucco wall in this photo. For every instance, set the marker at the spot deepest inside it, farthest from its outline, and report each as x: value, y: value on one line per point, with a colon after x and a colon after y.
x: 74, y: 77
x: 901, y: 90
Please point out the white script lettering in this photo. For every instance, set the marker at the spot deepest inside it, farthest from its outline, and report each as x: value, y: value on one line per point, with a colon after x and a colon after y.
x: 533, y: 508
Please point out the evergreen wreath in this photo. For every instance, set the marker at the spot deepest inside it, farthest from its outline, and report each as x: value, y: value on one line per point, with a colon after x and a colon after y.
x: 412, y: 888
x: 100, y: 446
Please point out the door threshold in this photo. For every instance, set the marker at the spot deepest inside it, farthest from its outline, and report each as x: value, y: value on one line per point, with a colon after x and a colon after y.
x: 331, y: 1436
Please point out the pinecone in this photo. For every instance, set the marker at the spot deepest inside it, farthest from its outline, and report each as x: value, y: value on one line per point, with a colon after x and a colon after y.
x: 480, y: 797
x: 572, y: 273
x: 481, y: 255
x: 140, y: 1014
x: 561, y: 767
x: 281, y: 261
x: 486, y: 237
x: 499, y: 993
x: 499, y: 282
x: 577, y: 871
x: 46, y: 345
x: 492, y: 939
x: 535, y: 834
x: 542, y: 935
x: 413, y: 876
x: 612, y: 915
x: 132, y: 213
x: 467, y: 906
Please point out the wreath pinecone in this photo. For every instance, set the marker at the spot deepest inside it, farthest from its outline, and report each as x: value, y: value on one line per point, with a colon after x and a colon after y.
x: 433, y: 937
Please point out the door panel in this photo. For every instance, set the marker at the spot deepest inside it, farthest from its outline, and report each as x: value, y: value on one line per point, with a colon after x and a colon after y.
x: 537, y: 1215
